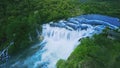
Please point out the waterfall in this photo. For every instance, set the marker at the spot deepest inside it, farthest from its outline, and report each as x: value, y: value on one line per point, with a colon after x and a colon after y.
x: 61, y: 38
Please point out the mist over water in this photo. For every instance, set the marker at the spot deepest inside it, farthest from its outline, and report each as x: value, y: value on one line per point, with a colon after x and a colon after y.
x: 62, y: 37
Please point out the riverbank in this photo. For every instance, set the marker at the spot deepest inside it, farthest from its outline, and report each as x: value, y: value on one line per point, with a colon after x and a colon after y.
x: 100, y: 51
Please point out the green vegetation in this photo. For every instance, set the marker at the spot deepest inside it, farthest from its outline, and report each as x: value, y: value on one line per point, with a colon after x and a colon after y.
x: 106, y: 7
x: 96, y: 52
x: 19, y: 19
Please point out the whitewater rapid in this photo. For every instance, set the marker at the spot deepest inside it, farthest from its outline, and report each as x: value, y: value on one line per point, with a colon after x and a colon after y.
x: 62, y: 37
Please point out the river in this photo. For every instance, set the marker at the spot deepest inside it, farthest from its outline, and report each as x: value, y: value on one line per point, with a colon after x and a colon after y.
x: 61, y: 38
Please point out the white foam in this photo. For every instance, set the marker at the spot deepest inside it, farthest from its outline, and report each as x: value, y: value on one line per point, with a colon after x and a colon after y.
x: 60, y: 43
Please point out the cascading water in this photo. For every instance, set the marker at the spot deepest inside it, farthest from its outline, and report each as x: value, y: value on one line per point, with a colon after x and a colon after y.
x: 61, y: 38
x: 60, y: 43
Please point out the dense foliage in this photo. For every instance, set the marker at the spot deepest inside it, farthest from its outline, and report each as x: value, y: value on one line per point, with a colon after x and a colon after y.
x: 96, y: 52
x: 19, y: 19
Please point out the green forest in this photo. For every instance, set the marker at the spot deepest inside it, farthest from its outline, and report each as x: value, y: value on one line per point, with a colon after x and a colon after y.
x: 19, y: 19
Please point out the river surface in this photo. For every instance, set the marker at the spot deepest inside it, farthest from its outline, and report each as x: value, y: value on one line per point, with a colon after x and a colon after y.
x: 61, y: 38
